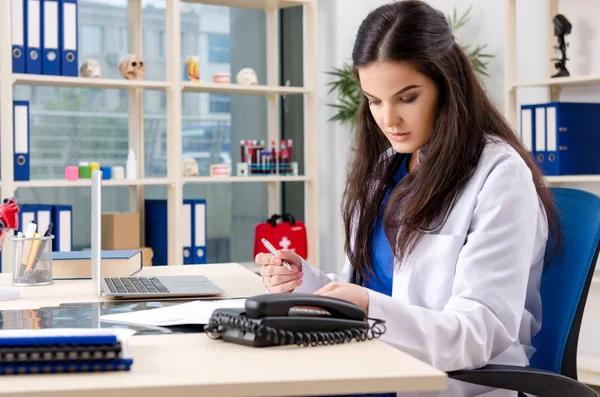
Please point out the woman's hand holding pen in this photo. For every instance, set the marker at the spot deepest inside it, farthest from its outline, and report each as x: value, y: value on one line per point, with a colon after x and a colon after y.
x: 276, y: 277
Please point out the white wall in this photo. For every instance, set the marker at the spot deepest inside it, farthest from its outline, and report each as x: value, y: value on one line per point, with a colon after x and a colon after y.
x: 339, y: 21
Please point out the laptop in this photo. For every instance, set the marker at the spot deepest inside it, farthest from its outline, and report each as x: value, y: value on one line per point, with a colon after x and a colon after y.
x: 131, y: 286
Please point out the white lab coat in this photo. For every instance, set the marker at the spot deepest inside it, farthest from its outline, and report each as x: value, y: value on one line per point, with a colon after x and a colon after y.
x: 469, y: 293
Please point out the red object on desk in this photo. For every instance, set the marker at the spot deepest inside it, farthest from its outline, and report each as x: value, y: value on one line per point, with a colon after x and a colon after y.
x: 285, y: 234
x: 9, y: 215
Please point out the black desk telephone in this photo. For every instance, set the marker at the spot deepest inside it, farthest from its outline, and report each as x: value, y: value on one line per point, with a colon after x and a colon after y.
x: 291, y: 318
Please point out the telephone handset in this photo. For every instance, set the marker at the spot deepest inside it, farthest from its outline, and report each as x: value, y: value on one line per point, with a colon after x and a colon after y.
x: 293, y: 318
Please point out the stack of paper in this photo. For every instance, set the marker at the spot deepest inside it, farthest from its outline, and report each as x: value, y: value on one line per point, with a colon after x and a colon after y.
x: 196, y: 312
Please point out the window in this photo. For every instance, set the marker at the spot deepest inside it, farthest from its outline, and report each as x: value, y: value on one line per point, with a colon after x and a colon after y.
x: 92, y: 39
x: 147, y: 43
x: 162, y: 42
x: 218, y: 48
x: 220, y: 103
x: 123, y: 44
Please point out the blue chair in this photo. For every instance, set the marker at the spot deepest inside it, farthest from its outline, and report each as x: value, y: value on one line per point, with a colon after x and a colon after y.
x: 564, y: 288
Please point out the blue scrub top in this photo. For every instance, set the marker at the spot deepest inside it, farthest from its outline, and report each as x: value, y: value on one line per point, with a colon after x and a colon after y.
x: 382, y: 256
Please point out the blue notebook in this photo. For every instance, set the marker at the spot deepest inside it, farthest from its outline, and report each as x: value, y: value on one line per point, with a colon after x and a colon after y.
x: 66, y: 366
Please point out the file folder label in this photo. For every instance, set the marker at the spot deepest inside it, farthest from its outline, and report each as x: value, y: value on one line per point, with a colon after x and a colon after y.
x: 18, y: 35
x: 551, y: 121
x: 526, y: 129
x: 64, y: 239
x: 69, y: 39
x: 540, y: 130
x: 21, y: 141
x: 200, y: 233
x: 34, y: 34
x: 51, y: 64
x: 186, y: 233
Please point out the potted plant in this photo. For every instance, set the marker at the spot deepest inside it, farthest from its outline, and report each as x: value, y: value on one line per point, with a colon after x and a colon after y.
x: 348, y: 90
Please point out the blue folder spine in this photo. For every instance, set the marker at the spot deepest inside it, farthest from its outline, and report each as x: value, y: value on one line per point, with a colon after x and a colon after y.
x: 572, y: 136
x: 67, y: 366
x: 155, y: 213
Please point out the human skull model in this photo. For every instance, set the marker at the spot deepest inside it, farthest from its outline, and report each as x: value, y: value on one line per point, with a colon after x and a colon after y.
x: 190, y: 167
x: 247, y: 76
x: 132, y: 67
x: 90, y: 68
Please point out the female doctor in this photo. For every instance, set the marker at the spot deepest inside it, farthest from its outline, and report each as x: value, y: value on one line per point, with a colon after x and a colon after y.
x: 446, y: 216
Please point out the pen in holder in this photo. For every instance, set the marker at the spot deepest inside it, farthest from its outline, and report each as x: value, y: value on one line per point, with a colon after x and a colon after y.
x: 32, y: 260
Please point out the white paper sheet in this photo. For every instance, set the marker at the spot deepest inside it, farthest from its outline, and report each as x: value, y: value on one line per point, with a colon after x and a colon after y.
x: 196, y: 312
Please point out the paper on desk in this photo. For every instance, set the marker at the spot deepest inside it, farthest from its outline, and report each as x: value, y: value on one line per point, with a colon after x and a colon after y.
x: 196, y: 312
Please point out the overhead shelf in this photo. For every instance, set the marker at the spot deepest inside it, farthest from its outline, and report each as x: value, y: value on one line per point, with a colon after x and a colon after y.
x: 88, y: 182
x: 231, y: 179
x: 560, y: 81
x: 573, y: 178
x: 86, y: 82
x: 241, y: 89
x: 256, y: 4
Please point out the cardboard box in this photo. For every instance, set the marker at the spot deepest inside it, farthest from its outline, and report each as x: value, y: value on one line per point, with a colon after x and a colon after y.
x: 121, y: 231
x: 147, y: 255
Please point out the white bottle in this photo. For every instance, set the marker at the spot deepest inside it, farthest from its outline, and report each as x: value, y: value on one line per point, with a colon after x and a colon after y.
x: 131, y: 166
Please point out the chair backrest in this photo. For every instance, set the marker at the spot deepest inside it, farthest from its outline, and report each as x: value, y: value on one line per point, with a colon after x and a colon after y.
x: 566, y: 280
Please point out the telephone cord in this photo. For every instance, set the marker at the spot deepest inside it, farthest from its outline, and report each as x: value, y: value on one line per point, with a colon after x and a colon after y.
x: 220, y: 322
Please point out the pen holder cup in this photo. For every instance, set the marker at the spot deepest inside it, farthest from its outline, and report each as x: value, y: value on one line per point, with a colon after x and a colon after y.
x: 31, y: 261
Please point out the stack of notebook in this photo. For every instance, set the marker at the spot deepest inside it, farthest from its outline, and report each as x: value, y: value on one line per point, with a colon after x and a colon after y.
x: 64, y: 350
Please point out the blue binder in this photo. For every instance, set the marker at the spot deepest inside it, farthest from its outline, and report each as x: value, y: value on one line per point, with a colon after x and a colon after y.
x: 527, y: 127
x: 572, y: 138
x: 199, y: 233
x: 26, y: 214
x: 68, y: 38
x: 40, y: 213
x: 34, y: 37
x: 123, y: 364
x: 50, y: 37
x: 194, y: 231
x: 19, y: 34
x: 539, y: 136
x: 62, y: 217
x: 21, y: 140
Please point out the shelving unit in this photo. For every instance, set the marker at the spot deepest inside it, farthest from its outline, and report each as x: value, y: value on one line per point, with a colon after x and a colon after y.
x: 553, y: 85
x: 174, y: 87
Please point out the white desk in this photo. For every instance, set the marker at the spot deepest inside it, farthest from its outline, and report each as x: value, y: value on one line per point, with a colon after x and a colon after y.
x: 193, y: 364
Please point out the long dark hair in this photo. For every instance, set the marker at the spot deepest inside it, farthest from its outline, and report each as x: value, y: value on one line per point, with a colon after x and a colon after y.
x: 413, y: 31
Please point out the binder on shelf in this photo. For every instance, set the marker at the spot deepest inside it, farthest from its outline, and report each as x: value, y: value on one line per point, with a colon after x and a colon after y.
x: 50, y: 38
x: 68, y: 38
x: 527, y: 127
x: 199, y: 248
x: 572, y: 138
x: 62, y: 217
x: 26, y: 215
x: 21, y: 140
x: 34, y: 37
x: 18, y: 34
x: 188, y: 249
x: 193, y: 233
x: 541, y: 154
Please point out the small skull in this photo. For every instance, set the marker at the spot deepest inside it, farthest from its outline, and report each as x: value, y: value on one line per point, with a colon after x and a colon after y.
x: 190, y: 167
x: 247, y: 76
x: 132, y: 67
x: 90, y: 68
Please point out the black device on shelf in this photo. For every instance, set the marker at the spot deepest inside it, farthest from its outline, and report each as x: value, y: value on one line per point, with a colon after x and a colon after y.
x: 562, y: 27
